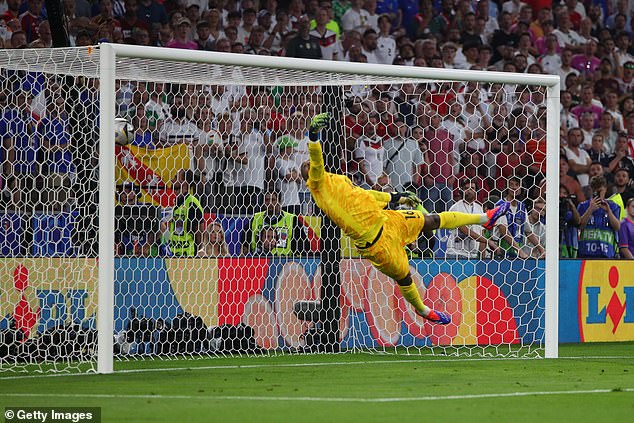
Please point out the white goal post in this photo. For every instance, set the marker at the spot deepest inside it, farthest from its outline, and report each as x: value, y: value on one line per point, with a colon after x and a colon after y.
x: 111, y: 63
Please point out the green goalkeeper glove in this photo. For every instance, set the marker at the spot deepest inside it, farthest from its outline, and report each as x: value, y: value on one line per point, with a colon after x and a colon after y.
x: 408, y: 198
x: 318, y: 123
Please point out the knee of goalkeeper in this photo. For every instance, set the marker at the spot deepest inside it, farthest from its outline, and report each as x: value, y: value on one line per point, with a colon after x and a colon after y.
x: 406, y: 198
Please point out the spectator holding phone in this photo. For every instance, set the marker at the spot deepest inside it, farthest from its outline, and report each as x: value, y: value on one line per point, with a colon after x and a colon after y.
x: 599, y: 222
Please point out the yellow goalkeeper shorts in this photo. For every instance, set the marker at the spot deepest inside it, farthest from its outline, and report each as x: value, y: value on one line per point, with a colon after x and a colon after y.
x: 387, y: 253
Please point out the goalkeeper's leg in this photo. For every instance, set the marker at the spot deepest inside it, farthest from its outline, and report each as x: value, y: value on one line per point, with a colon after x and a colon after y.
x: 452, y: 220
x: 410, y: 292
x: 390, y: 258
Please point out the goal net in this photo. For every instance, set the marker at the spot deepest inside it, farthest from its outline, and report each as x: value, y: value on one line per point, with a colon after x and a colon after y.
x: 199, y: 237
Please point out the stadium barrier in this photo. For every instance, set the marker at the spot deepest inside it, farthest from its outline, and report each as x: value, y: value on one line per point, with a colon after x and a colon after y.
x: 596, y: 299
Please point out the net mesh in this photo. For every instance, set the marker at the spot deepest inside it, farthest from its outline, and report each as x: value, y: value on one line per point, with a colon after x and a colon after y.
x: 220, y: 248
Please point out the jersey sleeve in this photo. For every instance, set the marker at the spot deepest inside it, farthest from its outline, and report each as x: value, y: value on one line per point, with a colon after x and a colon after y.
x: 383, y: 198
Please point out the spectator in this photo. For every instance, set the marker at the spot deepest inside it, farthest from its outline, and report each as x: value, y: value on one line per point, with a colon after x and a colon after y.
x: 165, y: 36
x: 535, y: 153
x: 185, y: 224
x: 467, y: 242
x: 183, y: 36
x: 130, y: 20
x: 605, y: 79
x: 475, y: 122
x: 386, y: 45
x: 402, y: 160
x: 289, y: 177
x: 256, y: 38
x: 587, y: 104
x: 355, y: 18
x: 626, y: 81
x: 20, y: 142
x: 606, y: 125
x: 566, y: 37
x: 245, y: 169
x: 289, y: 234
x: 626, y: 232
x: 441, y: 161
x: 140, y: 37
x: 209, y: 151
x: 369, y: 45
x: 44, y: 35
x: 578, y: 159
x: 214, y: 241
x: 57, y: 166
x: 622, y: 191
x: 153, y: 12
x: 611, y: 105
x: 248, y: 23
x: 304, y: 45
x: 179, y: 128
x: 503, y: 36
x: 568, y: 119
x: 568, y: 223
x: 213, y: 17
x: 599, y: 223
x: 514, y: 160
x: 327, y: 37
x: 204, y: 39
x: 537, y: 226
x: 621, y: 157
x: 586, y: 63
x: 18, y: 39
x: 586, y: 124
x: 512, y: 229
x: 571, y: 184
x: 31, y: 19
x: 369, y: 154
x: 134, y: 234
x: 12, y: 10
x: 597, y: 151
x: 441, y: 23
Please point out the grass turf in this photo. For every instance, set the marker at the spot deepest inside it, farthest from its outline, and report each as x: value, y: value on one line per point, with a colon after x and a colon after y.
x: 350, y: 388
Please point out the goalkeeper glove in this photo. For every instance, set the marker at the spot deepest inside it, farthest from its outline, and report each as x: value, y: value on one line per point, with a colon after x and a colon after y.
x: 408, y: 198
x: 318, y: 123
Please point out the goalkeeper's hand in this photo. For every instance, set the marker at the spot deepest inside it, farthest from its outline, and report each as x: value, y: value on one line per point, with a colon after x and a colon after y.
x: 405, y: 198
x: 318, y: 123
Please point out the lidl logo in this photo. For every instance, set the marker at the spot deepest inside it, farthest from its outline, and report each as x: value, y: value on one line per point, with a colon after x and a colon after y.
x: 606, y: 294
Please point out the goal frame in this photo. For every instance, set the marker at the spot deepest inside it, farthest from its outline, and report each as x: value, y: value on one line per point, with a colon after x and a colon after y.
x: 109, y: 53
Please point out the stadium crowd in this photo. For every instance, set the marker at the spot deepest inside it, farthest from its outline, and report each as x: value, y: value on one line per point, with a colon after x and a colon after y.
x: 458, y: 145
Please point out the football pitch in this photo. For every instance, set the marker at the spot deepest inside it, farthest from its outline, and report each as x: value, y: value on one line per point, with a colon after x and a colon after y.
x: 590, y: 382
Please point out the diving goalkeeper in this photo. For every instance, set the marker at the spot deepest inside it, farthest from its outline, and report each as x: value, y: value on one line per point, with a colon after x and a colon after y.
x: 380, y: 235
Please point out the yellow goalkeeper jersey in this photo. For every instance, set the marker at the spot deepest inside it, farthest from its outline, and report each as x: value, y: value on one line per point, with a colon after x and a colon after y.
x: 358, y: 212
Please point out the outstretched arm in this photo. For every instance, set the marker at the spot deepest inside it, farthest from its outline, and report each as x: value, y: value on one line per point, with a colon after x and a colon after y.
x: 383, y: 198
x: 315, y: 154
x: 316, y: 157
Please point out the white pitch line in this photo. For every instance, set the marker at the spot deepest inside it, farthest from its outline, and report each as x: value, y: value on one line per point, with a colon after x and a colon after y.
x: 322, y: 364
x: 320, y: 399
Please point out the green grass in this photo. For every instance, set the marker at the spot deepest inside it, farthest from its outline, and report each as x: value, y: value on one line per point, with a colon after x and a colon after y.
x: 350, y: 388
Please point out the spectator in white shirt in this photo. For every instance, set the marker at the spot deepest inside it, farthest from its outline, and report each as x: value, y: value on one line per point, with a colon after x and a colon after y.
x: 355, y: 18
x: 386, y: 45
x: 369, y: 45
x: 289, y: 178
x: 467, y: 242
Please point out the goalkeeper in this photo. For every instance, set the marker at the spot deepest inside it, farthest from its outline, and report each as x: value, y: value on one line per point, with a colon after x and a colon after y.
x: 380, y: 235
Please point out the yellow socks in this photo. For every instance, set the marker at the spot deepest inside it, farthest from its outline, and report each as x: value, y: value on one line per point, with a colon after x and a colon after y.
x: 451, y: 220
x: 410, y: 293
